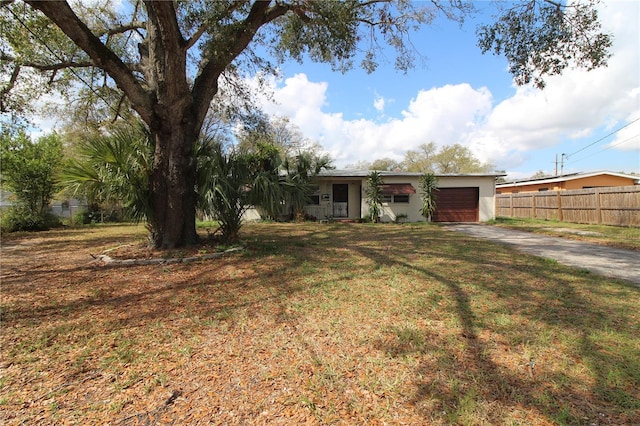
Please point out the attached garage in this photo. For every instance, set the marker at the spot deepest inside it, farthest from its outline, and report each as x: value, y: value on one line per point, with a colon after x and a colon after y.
x: 457, y: 205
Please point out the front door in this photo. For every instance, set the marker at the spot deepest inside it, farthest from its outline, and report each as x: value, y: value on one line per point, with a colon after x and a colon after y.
x: 340, y: 200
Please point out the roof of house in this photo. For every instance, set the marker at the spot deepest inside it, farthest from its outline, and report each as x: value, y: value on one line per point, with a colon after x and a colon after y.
x: 365, y: 173
x: 562, y: 178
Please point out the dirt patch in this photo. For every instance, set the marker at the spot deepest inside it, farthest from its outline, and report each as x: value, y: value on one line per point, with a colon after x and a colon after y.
x: 573, y: 231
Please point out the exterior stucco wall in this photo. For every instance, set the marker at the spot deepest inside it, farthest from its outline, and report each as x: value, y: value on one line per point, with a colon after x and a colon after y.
x: 63, y: 208
x: 554, y: 186
x: 597, y: 181
x: 391, y: 211
x: 486, y: 192
x: 324, y: 210
x: 579, y: 183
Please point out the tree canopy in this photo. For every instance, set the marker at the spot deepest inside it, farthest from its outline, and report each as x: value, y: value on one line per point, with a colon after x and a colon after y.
x: 168, y: 61
x: 427, y: 158
x: 30, y: 173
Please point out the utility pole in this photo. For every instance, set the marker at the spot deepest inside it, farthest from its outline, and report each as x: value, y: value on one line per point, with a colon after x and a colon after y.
x: 555, y: 171
x: 562, y: 162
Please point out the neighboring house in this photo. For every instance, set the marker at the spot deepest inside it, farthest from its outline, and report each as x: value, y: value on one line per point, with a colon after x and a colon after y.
x: 63, y: 208
x: 68, y: 208
x: 460, y: 198
x: 569, y: 181
x: 5, y: 199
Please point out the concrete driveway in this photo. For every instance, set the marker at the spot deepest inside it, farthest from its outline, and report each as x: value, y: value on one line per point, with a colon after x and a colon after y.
x: 607, y: 261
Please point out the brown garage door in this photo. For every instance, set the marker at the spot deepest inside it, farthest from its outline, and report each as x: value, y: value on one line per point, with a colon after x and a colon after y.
x: 457, y: 205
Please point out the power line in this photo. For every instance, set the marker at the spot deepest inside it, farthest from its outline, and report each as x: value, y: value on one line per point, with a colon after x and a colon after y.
x: 73, y: 71
x: 602, y: 138
x: 604, y: 149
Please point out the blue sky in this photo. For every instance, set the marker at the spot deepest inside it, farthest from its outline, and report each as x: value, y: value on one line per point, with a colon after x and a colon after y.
x: 462, y: 96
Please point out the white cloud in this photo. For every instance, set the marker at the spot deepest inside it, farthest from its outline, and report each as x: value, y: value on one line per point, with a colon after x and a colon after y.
x: 628, y: 137
x: 378, y: 103
x: 443, y: 115
x: 572, y: 106
x: 578, y: 102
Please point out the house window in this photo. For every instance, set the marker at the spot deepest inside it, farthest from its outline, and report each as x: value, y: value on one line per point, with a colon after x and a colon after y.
x: 404, y: 198
x: 542, y: 189
x: 396, y: 199
x: 314, y: 198
x: 397, y: 193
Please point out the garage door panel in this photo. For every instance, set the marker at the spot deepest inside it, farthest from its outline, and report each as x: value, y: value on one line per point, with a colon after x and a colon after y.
x: 457, y: 205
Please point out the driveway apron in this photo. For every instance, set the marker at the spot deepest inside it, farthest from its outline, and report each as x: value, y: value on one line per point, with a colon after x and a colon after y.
x: 607, y: 261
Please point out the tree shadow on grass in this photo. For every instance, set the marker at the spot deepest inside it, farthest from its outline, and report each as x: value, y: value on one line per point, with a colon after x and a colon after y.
x: 475, y: 379
x: 459, y: 376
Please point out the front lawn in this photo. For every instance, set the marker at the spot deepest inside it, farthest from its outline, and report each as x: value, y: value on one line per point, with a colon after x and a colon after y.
x: 313, y: 324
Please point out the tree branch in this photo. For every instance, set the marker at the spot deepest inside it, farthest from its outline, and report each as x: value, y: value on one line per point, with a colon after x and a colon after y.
x: 47, y: 67
x: 205, y: 86
x: 167, y: 53
x: 9, y: 86
x: 196, y: 36
x: 63, y: 16
x: 124, y: 28
x: 164, y: 13
x: 118, y: 108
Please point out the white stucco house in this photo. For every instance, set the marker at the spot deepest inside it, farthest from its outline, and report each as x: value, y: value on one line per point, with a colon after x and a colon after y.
x: 460, y: 198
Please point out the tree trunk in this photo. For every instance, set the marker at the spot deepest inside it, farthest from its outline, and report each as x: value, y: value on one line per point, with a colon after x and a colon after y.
x: 172, y: 181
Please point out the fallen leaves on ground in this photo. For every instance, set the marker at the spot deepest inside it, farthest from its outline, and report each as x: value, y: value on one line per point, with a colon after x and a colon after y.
x: 318, y: 330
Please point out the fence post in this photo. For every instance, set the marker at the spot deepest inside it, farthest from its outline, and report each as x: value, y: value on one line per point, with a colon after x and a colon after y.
x: 511, y: 205
x: 533, y: 205
x: 598, y: 212
x: 559, y: 206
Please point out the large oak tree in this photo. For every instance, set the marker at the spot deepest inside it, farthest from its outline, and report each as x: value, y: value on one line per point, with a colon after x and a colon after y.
x: 166, y: 60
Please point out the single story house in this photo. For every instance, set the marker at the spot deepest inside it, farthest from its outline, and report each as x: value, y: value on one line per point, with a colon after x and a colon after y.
x: 568, y: 181
x: 460, y: 197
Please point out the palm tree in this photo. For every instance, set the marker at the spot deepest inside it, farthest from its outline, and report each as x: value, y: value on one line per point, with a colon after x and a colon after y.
x: 374, y: 195
x: 429, y: 188
x: 230, y: 183
x: 113, y: 168
x: 298, y: 183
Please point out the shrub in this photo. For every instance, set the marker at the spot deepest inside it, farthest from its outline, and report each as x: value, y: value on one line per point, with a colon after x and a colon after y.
x: 83, y: 218
x: 87, y: 217
x: 20, y: 218
x: 401, y: 217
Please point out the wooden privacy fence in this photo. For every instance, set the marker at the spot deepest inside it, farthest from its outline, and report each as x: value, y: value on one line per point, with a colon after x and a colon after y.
x: 619, y: 205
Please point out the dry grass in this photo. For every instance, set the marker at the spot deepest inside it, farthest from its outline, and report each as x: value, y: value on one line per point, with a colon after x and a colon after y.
x: 625, y: 237
x: 313, y: 324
